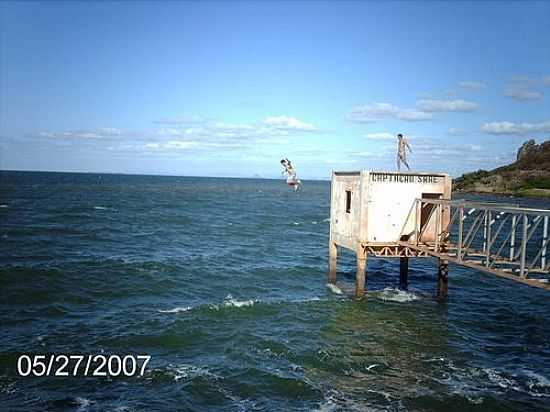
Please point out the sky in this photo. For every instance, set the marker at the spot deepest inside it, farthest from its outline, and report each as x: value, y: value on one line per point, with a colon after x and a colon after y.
x: 230, y: 88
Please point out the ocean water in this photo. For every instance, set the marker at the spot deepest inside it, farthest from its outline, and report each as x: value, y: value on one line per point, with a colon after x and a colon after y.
x: 223, y: 283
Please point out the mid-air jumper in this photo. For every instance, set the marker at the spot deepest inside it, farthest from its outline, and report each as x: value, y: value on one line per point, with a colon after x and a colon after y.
x: 292, y: 180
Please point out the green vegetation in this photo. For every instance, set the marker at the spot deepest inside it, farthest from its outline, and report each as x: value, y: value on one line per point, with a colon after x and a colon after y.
x: 529, y: 175
x: 534, y: 192
x: 470, y: 178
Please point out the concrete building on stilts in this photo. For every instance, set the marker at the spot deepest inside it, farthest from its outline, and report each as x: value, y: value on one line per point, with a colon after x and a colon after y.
x: 370, y: 215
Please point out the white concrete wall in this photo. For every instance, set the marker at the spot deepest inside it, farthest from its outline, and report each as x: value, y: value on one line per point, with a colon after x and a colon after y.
x: 380, y: 204
x: 390, y: 197
x: 345, y: 226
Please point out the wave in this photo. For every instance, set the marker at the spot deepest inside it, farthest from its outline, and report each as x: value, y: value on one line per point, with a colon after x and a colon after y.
x: 104, y: 208
x: 81, y: 404
x: 474, y: 383
x: 123, y: 408
x: 539, y: 380
x: 304, y: 300
x: 500, y: 380
x: 177, y: 309
x: 3, y: 206
x: 231, y: 302
x: 335, y: 400
x: 394, y: 295
x: 334, y: 289
x: 313, y: 222
x: 186, y: 371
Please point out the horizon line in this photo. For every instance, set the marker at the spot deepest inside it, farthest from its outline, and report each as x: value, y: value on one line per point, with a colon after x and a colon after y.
x: 154, y: 174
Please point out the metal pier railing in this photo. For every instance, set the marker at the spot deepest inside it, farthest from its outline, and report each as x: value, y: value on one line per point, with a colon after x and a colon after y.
x: 505, y: 240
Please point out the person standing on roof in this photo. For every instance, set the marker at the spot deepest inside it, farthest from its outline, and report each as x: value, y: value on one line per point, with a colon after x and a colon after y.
x: 402, y: 146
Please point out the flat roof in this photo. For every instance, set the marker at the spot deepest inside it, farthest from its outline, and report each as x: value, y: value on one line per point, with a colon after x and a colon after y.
x: 358, y: 172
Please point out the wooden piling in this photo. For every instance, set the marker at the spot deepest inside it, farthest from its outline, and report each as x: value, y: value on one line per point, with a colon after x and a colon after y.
x: 361, y: 272
x: 403, y: 272
x: 442, y: 278
x: 332, y: 259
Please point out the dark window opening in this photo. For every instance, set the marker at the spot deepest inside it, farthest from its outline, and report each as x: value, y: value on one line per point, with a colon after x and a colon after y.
x: 348, y: 201
x: 427, y: 208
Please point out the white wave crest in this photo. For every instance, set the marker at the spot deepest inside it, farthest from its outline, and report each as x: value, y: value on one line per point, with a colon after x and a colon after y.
x: 230, y: 302
x: 334, y: 289
x: 304, y: 300
x: 498, y: 379
x: 82, y: 403
x: 395, y: 295
x: 185, y: 371
x: 104, y: 208
x: 336, y: 401
x: 474, y: 383
x: 3, y: 206
x: 538, y: 385
x: 177, y: 309
x: 538, y: 380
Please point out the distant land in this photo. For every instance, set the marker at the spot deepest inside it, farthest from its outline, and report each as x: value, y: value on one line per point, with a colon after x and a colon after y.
x: 529, y: 175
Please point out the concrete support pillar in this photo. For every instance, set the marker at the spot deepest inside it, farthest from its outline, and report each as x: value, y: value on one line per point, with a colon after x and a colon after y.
x: 442, y: 278
x: 361, y: 272
x: 332, y: 260
x: 403, y: 272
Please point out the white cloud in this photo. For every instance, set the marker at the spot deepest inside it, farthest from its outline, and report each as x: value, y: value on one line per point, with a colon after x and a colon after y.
x: 453, y: 131
x: 523, y: 79
x: 436, y: 105
x: 170, y: 131
x: 101, y: 133
x: 522, y: 93
x: 179, y: 144
x: 380, y: 136
x: 109, y: 131
x: 206, y: 135
x: 472, y: 85
x: 379, y: 111
x: 424, y: 110
x: 151, y: 146
x: 289, y: 123
x: 522, y: 88
x: 515, y: 128
x: 546, y: 80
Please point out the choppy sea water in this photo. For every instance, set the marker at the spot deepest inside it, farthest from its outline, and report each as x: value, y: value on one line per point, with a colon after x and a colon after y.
x: 223, y: 283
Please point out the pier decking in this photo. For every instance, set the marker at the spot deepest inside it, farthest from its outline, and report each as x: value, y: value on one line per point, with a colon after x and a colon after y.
x: 504, y: 240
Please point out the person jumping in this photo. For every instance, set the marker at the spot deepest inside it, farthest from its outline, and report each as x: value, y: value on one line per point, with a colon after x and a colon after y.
x: 292, y: 180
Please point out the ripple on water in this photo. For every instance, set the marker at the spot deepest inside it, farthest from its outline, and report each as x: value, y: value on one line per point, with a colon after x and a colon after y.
x: 222, y: 281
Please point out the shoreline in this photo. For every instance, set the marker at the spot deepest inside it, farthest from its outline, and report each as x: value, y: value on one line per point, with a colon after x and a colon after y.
x: 525, y: 193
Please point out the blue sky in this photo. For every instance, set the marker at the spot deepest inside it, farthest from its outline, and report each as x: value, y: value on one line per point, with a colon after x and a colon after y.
x: 227, y: 89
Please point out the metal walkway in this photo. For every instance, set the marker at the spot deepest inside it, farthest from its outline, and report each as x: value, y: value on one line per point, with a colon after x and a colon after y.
x: 504, y: 240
